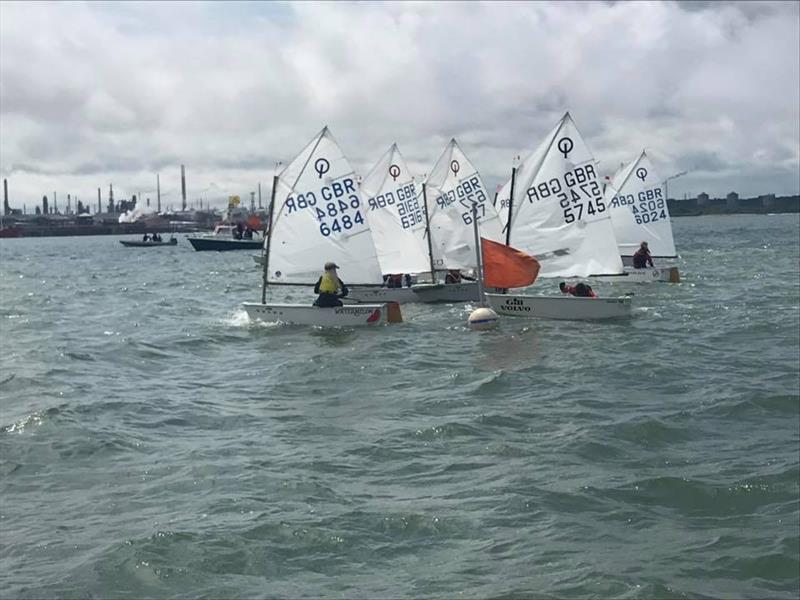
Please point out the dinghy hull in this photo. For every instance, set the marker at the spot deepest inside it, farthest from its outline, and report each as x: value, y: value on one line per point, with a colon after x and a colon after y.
x: 649, y: 275
x: 141, y: 244
x: 355, y: 315
x: 560, y: 307
x: 428, y: 293
x: 206, y: 244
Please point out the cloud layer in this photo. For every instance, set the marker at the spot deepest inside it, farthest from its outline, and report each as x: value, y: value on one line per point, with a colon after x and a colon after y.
x: 97, y: 93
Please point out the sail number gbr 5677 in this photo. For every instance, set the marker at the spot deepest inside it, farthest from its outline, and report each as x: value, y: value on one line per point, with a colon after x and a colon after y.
x: 648, y: 207
x: 336, y: 206
x: 577, y: 193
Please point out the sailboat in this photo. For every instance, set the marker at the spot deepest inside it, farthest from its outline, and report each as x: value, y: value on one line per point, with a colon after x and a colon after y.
x: 554, y: 210
x: 316, y: 215
x: 430, y: 232
x: 398, y: 223
x: 637, y: 202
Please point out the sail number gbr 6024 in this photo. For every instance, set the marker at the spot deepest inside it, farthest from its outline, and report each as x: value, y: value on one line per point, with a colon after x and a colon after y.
x: 649, y: 208
x: 577, y: 193
x: 337, y: 208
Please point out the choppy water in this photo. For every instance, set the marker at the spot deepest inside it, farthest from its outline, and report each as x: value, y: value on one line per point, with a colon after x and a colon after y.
x: 154, y: 444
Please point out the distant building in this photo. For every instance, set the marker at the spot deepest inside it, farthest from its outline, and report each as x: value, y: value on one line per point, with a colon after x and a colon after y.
x: 732, y: 200
x: 702, y: 198
x: 767, y: 200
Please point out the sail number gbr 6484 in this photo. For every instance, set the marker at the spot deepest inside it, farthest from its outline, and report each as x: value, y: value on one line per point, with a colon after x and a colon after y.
x: 336, y: 206
x: 577, y: 193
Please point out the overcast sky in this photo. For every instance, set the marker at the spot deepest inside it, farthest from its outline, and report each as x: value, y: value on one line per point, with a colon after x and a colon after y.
x: 99, y: 92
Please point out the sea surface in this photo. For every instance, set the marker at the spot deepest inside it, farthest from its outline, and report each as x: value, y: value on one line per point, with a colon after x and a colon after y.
x: 154, y: 444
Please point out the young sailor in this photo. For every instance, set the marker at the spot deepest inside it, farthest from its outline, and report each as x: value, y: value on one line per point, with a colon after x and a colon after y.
x: 641, y: 257
x: 581, y: 290
x: 330, y: 288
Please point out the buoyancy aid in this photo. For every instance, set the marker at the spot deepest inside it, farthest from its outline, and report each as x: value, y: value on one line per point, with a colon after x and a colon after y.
x: 329, y: 284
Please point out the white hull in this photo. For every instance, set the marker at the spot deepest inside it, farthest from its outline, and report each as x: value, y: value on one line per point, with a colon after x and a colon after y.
x: 355, y: 315
x: 648, y: 275
x: 423, y: 292
x: 560, y: 307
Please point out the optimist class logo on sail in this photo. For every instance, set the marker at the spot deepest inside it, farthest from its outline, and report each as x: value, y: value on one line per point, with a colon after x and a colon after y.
x: 335, y: 205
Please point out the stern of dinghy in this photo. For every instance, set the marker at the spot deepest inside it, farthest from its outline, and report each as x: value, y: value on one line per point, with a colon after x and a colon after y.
x: 393, y: 314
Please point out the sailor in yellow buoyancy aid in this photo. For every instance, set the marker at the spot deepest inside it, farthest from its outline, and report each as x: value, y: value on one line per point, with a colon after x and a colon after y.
x: 328, y: 286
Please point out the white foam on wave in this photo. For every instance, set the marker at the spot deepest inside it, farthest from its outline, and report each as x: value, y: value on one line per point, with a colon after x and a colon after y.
x: 19, y: 426
x: 239, y: 318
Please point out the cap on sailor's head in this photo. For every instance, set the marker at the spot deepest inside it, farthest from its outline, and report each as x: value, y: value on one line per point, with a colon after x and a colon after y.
x: 644, y: 244
x: 331, y: 265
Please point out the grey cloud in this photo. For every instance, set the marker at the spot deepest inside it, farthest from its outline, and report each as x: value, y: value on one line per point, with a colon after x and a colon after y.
x: 121, y: 91
x: 702, y: 161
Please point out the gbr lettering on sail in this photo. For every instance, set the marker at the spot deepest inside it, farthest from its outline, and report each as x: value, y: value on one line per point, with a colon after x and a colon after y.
x: 336, y: 206
x: 577, y: 192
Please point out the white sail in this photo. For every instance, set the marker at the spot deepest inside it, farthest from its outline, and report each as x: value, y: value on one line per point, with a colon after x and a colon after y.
x: 393, y: 206
x: 558, y: 213
x: 636, y: 199
x: 319, y: 217
x: 501, y: 204
x: 451, y: 188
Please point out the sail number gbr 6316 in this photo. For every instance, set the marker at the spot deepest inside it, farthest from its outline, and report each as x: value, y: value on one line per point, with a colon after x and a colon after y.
x: 577, y: 193
x: 335, y: 206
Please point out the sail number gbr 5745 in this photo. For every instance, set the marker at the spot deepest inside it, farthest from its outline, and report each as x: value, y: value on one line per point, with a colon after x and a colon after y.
x: 577, y: 193
x: 336, y: 206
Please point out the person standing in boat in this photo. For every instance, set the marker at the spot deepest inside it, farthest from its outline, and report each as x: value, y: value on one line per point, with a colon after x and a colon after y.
x: 330, y: 288
x: 642, y: 258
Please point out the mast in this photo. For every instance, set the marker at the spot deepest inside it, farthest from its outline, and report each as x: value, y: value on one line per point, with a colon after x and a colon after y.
x: 510, y: 206
x: 269, y: 239
x: 158, y: 191
x: 481, y: 295
x: 428, y: 230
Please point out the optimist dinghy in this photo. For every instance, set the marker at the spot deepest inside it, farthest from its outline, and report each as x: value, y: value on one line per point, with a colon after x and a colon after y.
x: 637, y: 201
x: 316, y: 215
x: 427, y: 230
x: 553, y: 209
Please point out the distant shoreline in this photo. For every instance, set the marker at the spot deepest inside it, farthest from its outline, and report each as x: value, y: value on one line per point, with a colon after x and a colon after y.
x: 695, y: 207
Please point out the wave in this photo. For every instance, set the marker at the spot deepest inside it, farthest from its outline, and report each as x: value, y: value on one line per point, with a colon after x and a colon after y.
x: 692, y: 497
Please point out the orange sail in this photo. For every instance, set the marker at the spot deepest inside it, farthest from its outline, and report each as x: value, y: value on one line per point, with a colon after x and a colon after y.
x: 507, y: 267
